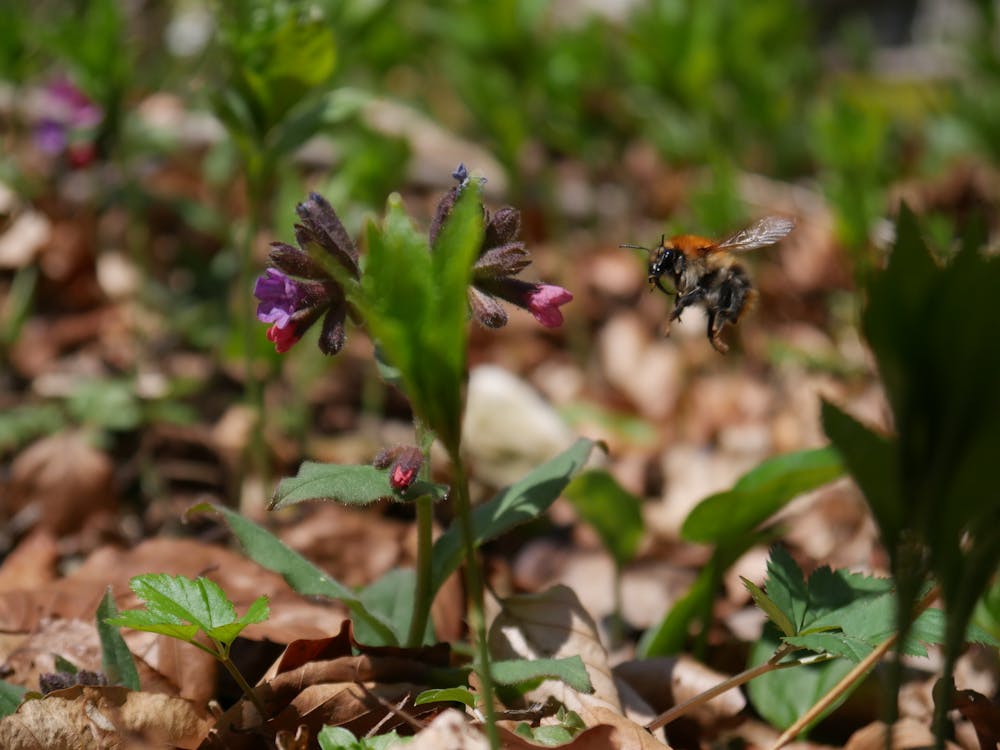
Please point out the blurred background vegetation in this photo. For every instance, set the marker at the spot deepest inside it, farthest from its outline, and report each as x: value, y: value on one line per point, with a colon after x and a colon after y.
x: 179, y: 134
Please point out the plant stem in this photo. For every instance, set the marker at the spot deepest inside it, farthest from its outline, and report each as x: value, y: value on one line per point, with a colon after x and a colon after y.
x: 680, y: 709
x: 253, y: 391
x: 859, y: 671
x: 474, y: 586
x: 423, y: 597
x: 244, y: 685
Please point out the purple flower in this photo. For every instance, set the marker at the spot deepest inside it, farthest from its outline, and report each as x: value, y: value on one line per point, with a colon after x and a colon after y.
x: 299, y: 288
x: 69, y: 124
x: 279, y: 297
x: 501, y: 257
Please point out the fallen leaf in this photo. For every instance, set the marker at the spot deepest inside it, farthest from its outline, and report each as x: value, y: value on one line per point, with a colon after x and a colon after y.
x: 100, y: 718
x: 66, y: 478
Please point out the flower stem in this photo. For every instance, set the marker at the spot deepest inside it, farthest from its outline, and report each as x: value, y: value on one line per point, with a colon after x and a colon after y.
x: 423, y: 597
x: 474, y: 586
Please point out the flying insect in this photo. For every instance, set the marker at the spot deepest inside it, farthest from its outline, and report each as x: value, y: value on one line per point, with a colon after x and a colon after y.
x: 706, y: 272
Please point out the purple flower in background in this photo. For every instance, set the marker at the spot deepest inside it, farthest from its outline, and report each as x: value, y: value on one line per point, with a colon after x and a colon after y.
x: 299, y: 289
x: 69, y: 124
x: 501, y: 257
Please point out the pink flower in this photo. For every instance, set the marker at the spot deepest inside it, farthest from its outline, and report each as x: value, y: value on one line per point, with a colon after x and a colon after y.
x: 544, y: 300
x: 501, y: 257
x: 283, y: 338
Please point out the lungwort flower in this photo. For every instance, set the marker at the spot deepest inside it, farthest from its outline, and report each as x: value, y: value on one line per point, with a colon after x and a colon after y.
x: 299, y: 288
x: 501, y: 257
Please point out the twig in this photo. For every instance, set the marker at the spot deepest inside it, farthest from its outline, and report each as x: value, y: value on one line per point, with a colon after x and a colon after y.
x: 680, y: 709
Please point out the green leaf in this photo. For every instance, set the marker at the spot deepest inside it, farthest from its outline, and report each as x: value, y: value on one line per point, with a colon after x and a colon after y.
x: 419, y: 316
x: 521, y: 502
x: 111, y: 404
x: 336, y: 738
x: 569, y: 669
x: 781, y: 697
x: 772, y: 610
x: 759, y: 494
x: 457, y: 694
x: 10, y: 697
x: 548, y: 735
x: 346, y: 484
x: 267, y: 550
x: 391, y: 599
x: 303, y: 56
x: 614, y: 512
x: 670, y: 635
x: 180, y: 607
x: 870, y: 458
x: 786, y: 587
x: 116, y: 660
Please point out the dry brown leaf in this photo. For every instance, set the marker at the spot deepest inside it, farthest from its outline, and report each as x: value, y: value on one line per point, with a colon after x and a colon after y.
x: 906, y: 734
x: 32, y: 563
x: 74, y: 640
x: 451, y: 729
x: 983, y: 713
x: 551, y: 625
x: 65, y: 478
x: 102, y: 718
x: 322, y: 682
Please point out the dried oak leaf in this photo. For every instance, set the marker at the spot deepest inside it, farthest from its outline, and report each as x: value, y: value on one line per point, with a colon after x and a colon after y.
x: 102, y: 718
x: 322, y: 682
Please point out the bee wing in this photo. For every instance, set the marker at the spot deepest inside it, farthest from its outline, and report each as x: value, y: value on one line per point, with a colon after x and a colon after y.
x: 765, y: 232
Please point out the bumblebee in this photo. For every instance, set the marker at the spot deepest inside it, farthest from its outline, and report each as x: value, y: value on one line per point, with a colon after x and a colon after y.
x: 706, y: 272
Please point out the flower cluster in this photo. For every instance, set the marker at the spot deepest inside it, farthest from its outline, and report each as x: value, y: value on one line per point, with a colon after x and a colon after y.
x: 501, y: 257
x: 299, y: 287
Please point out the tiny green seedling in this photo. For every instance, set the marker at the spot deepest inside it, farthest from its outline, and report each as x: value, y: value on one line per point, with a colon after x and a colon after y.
x: 181, y: 608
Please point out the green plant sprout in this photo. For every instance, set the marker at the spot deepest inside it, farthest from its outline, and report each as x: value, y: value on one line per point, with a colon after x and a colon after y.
x: 185, y: 609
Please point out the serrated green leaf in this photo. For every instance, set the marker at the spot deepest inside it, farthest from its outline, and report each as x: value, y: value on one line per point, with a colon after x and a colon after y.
x: 783, y: 696
x: 10, y: 697
x: 759, y: 494
x: 140, y: 619
x: 267, y: 550
x: 615, y: 513
x: 179, y: 607
x: 116, y: 659
x: 521, y: 502
x: 773, y: 612
x: 457, y: 694
x: 836, y: 643
x: 569, y: 670
x: 786, y: 587
x: 347, y: 484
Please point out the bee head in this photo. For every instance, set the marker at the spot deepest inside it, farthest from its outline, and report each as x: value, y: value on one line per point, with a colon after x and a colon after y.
x: 667, y: 261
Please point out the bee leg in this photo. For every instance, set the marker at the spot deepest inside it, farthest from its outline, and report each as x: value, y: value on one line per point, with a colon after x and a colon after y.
x: 715, y: 325
x: 695, y: 295
x: 659, y: 285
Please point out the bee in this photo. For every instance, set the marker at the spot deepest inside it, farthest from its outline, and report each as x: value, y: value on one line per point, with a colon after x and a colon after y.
x: 706, y: 272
